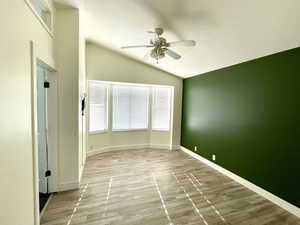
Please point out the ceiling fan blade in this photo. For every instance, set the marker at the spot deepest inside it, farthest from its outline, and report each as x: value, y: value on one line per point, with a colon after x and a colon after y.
x: 172, y: 54
x: 182, y: 43
x: 137, y: 46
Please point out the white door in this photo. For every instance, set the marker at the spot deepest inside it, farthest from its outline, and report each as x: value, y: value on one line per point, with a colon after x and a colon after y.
x: 42, y: 129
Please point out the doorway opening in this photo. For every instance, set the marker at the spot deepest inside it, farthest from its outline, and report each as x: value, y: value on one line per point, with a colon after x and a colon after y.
x: 46, y: 102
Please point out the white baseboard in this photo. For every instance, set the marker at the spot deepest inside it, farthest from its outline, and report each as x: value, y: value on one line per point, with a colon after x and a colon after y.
x: 169, y: 147
x: 127, y: 147
x: 271, y: 197
x: 116, y: 148
x: 68, y: 186
x: 155, y: 146
x: 175, y: 147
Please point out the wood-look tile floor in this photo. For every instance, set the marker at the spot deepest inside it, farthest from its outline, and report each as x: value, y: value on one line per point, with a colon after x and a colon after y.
x: 159, y: 187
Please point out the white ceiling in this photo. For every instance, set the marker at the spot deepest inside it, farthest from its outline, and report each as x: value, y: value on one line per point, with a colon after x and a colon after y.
x: 227, y: 32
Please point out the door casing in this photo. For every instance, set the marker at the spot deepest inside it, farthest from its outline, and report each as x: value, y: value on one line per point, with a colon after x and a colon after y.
x: 52, y: 129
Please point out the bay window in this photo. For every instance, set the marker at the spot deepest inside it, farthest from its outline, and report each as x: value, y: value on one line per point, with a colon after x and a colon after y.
x: 128, y: 107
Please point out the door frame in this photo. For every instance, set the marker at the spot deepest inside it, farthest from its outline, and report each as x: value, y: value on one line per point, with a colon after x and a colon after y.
x: 53, y: 119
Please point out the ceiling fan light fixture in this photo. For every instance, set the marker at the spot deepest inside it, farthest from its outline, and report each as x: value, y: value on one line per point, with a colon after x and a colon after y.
x: 160, y: 45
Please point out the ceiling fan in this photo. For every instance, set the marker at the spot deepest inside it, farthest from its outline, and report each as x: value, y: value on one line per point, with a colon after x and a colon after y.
x: 160, y: 47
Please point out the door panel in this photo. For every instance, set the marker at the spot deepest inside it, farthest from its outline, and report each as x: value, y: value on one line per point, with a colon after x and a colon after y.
x: 42, y: 129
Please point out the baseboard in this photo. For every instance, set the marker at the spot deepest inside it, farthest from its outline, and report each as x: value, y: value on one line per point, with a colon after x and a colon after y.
x: 155, y: 146
x: 81, y: 170
x: 176, y: 147
x: 127, y: 147
x: 271, y: 197
x: 116, y: 148
x: 68, y: 186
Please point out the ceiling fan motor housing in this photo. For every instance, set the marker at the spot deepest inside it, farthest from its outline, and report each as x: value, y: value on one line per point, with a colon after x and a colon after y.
x: 159, y: 42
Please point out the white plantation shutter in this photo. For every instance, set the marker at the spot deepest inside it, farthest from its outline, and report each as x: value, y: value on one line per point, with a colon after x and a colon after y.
x: 98, y: 106
x: 161, y: 108
x: 130, y: 107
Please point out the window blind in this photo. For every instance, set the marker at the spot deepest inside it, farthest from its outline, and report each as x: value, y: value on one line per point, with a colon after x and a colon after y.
x: 161, y: 106
x: 130, y: 107
x: 97, y: 106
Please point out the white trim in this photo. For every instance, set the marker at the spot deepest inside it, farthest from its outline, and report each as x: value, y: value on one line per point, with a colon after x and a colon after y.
x: 68, y: 186
x: 172, y: 116
x: 34, y: 135
x: 271, y: 197
x: 52, y: 160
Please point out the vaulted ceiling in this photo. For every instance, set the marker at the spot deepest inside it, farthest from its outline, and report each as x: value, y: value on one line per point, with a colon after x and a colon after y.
x: 227, y: 32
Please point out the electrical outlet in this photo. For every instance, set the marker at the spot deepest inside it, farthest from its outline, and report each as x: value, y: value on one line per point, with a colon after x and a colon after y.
x: 214, y: 157
x: 195, y: 148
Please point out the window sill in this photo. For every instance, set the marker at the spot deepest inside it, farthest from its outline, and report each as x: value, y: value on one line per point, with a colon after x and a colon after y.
x: 98, y: 132
x: 161, y: 130
x: 45, y: 26
x: 124, y: 130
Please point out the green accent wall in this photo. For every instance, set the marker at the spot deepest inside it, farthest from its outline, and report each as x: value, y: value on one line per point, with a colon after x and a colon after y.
x: 248, y: 115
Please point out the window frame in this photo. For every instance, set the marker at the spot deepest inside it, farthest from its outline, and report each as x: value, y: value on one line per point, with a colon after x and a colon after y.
x: 107, y: 108
x: 46, y: 4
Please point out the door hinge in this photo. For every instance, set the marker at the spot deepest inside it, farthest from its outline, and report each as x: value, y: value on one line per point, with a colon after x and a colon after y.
x: 48, y: 173
x: 46, y: 84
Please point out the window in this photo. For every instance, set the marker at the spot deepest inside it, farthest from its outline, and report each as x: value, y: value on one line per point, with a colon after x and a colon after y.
x: 161, y: 108
x: 130, y: 107
x: 42, y: 10
x: 98, y: 107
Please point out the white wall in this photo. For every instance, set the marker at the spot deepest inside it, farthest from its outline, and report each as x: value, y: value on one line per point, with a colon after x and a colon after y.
x: 70, y: 52
x: 18, y: 26
x: 62, y: 52
x: 107, y: 65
